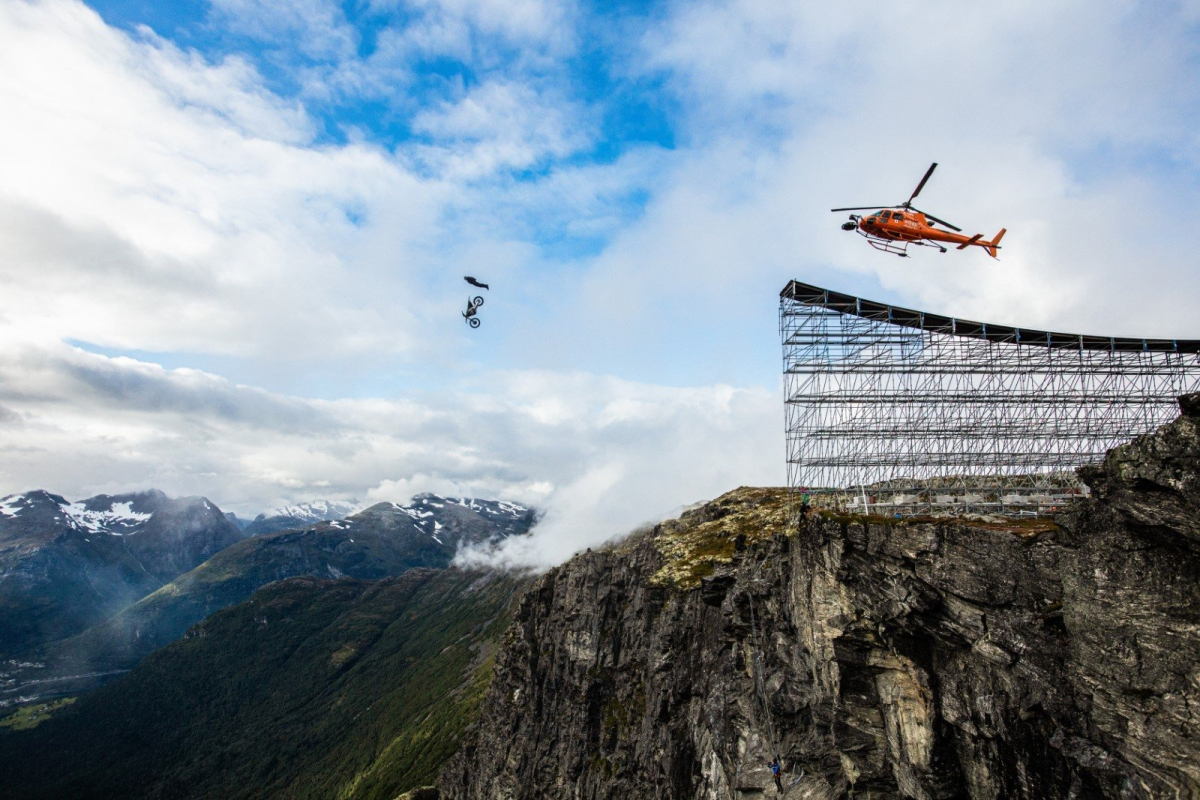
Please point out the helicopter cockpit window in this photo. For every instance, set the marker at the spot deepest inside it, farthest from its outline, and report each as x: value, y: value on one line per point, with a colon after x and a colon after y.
x: 886, y: 215
x: 897, y: 217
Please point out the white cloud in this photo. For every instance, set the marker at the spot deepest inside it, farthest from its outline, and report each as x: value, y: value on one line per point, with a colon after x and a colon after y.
x: 545, y: 25
x: 488, y: 40
x: 317, y: 28
x: 600, y: 455
x: 1069, y: 124
x: 499, y: 126
x: 159, y: 202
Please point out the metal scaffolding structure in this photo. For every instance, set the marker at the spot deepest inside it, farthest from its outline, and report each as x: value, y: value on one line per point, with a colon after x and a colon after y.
x: 895, y: 411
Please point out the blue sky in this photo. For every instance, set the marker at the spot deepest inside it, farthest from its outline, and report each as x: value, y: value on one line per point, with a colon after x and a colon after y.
x: 630, y: 107
x: 234, y: 231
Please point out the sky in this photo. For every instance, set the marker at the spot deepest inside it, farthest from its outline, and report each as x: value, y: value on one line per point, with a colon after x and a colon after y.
x: 233, y: 232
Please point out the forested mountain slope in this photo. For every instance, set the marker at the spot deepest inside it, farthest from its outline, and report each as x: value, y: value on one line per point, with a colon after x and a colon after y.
x: 312, y: 688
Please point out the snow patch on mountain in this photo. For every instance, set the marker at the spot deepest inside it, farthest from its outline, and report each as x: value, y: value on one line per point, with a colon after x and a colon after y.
x: 415, y: 513
x: 424, y: 508
x: 314, y: 511
x: 120, y: 519
x: 486, y: 507
x: 12, y: 505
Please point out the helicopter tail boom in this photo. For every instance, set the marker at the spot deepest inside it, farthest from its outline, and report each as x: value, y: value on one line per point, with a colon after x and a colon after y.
x: 994, y: 244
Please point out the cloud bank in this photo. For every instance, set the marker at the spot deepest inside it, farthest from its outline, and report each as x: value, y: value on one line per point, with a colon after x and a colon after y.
x: 601, y: 455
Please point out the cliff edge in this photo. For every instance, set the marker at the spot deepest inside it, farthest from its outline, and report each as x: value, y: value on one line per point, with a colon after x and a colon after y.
x: 876, y: 658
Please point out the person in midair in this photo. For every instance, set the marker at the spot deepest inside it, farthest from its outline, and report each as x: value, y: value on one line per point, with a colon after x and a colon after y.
x: 474, y: 282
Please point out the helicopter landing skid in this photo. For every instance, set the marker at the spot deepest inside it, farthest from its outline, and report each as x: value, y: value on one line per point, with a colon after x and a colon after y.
x: 897, y: 247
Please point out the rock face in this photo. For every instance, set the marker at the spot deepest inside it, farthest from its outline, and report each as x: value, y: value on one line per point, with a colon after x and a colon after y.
x: 876, y: 658
x: 65, y: 566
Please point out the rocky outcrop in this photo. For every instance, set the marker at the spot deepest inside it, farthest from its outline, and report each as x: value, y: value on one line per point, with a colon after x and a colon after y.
x: 877, y: 658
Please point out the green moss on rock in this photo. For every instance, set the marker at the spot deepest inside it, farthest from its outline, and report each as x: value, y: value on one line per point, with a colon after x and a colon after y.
x: 703, y: 538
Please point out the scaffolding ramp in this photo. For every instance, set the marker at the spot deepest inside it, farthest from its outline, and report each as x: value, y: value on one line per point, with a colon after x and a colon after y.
x: 900, y: 412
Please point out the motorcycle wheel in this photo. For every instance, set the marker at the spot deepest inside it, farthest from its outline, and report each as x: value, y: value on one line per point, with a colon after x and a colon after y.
x: 473, y: 322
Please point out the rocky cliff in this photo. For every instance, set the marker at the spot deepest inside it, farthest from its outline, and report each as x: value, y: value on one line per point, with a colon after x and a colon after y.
x: 877, y: 658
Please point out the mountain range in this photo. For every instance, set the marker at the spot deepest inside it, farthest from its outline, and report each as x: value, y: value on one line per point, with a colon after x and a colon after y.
x: 384, y: 540
x: 66, y: 566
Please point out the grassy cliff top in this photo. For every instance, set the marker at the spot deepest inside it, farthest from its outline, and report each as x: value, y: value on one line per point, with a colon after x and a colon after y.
x: 700, y: 539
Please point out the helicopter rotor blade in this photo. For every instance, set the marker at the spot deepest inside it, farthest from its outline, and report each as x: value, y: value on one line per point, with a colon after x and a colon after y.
x: 943, y: 222
x: 932, y: 218
x: 863, y: 208
x: 921, y: 185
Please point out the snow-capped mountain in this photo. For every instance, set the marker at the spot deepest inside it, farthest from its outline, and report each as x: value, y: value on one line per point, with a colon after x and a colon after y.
x: 435, y: 515
x: 383, y: 540
x: 66, y: 565
x: 298, y: 515
x: 120, y: 516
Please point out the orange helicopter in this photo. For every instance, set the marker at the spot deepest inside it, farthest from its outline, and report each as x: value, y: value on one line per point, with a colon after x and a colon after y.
x: 893, y: 228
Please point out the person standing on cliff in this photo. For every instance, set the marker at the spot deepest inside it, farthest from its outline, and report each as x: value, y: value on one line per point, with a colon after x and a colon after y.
x: 805, y: 501
x: 775, y: 774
